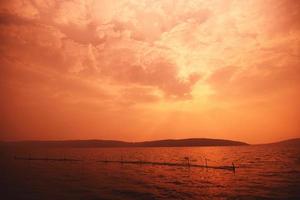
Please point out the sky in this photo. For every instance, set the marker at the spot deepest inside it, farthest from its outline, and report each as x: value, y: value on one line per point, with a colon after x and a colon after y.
x: 139, y: 70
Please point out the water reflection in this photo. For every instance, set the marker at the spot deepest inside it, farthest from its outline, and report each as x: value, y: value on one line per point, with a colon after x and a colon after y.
x: 264, y: 172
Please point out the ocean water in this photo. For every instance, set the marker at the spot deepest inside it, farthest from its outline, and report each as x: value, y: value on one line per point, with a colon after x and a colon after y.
x: 264, y: 172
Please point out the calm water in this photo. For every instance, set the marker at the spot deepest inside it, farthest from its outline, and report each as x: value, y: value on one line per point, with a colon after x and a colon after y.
x: 265, y: 172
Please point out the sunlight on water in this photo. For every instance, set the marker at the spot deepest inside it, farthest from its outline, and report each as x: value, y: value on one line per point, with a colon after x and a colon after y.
x: 263, y: 172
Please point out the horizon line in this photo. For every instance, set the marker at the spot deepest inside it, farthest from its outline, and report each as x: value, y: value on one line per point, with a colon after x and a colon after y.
x: 120, y: 140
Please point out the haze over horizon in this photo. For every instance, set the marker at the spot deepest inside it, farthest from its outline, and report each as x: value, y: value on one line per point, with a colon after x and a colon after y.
x: 147, y: 70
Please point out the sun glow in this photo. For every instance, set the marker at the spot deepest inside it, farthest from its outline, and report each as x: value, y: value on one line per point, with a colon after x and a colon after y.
x: 138, y: 70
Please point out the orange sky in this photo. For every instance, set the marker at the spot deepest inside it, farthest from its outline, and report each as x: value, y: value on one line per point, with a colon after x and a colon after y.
x: 141, y: 70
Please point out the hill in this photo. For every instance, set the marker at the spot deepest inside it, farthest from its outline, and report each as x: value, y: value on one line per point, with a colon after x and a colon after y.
x: 192, y: 142
x: 290, y: 142
x: 189, y: 143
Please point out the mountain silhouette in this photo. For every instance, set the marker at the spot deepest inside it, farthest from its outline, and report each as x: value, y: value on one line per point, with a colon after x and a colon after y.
x: 191, y: 142
x: 290, y: 142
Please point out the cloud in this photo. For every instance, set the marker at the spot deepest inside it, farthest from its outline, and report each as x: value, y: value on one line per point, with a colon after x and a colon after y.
x: 7, y: 19
x: 80, y: 45
x: 118, y: 55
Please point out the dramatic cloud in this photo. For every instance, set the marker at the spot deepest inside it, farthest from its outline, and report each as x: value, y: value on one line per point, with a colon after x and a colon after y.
x: 155, y: 68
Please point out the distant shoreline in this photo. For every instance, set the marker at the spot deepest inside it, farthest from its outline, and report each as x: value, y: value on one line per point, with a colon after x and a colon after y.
x: 190, y: 142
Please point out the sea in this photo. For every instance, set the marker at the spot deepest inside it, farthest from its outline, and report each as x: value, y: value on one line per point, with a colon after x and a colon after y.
x: 262, y: 172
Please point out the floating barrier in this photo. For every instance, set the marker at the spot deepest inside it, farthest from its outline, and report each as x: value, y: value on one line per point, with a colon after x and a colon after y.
x: 186, y: 164
x: 47, y: 159
x: 231, y: 168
